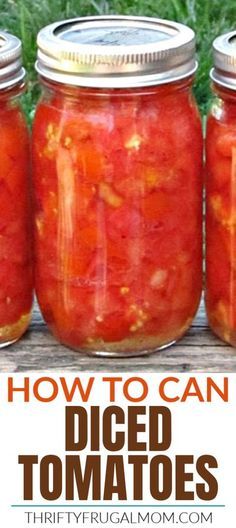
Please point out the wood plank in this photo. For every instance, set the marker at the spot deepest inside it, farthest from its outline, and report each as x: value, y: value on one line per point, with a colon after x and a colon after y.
x: 198, y: 351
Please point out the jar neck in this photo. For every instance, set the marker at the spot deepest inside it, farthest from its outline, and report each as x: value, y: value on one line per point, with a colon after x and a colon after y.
x: 12, y: 92
x: 75, y: 91
x: 227, y: 94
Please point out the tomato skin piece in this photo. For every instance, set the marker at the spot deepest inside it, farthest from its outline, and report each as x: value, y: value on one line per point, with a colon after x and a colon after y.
x: 134, y: 218
x: 16, y: 280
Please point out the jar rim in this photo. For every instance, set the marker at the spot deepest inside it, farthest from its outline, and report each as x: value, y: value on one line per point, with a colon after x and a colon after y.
x: 11, y: 69
x: 224, y: 57
x: 116, y: 51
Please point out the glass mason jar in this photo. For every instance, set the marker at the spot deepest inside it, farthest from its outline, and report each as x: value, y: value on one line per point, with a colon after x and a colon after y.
x: 15, y: 225
x: 221, y: 192
x: 117, y: 154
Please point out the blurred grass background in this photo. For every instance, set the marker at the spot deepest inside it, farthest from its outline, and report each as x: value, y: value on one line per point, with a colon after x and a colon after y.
x: 208, y: 18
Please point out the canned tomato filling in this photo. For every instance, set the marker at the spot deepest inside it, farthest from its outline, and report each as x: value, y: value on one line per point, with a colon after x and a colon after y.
x: 117, y: 177
x: 15, y: 239
x: 221, y: 194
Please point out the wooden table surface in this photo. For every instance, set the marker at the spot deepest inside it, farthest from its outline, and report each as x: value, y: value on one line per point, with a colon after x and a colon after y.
x: 198, y: 351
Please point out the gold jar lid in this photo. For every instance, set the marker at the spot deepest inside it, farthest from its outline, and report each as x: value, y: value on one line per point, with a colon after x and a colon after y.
x: 224, y: 56
x: 11, y: 70
x: 116, y: 51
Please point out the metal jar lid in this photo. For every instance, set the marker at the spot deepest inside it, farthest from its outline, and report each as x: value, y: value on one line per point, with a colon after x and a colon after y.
x: 224, y: 54
x: 116, y: 51
x: 11, y: 70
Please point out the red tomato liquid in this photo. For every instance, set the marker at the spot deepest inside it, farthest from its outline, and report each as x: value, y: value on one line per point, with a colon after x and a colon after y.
x: 221, y: 217
x: 118, y: 215
x: 15, y: 229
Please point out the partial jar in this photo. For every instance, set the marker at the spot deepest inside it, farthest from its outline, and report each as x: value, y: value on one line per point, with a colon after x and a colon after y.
x: 117, y: 156
x: 221, y: 192
x: 15, y: 225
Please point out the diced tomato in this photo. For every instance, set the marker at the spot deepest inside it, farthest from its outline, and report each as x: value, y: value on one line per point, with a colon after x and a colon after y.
x: 114, y: 328
x: 226, y: 142
x: 221, y: 224
x: 155, y: 206
x: 15, y: 225
x: 221, y: 171
x: 118, y: 194
x: 90, y: 163
x: 75, y: 130
x: 124, y: 222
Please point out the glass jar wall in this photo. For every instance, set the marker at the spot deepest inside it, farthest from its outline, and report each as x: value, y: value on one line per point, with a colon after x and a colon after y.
x: 220, y: 254
x: 118, y: 214
x: 15, y: 225
x: 221, y: 194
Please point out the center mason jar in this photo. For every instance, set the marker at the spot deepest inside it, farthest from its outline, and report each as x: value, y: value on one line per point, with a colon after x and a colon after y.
x: 117, y: 155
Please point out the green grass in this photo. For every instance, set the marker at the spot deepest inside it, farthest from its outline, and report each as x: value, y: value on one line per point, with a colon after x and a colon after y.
x: 207, y: 18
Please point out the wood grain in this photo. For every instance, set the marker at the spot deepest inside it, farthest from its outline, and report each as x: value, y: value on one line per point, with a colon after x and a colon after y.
x: 198, y: 351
